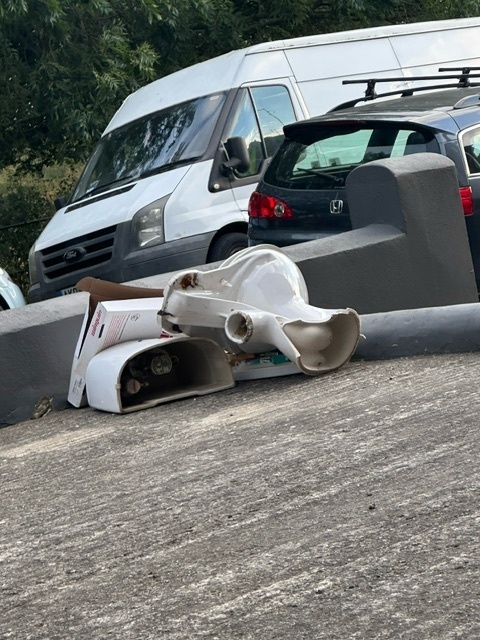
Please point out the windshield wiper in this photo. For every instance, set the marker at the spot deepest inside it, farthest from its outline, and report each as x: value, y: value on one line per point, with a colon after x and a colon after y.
x: 102, y: 187
x: 150, y: 172
x: 169, y: 165
x: 318, y: 172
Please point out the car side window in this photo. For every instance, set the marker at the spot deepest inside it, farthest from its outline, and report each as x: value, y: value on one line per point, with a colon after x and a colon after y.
x: 259, y: 119
x: 400, y: 143
x: 471, y: 146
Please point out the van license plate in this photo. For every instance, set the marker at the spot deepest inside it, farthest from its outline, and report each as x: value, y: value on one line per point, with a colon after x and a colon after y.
x: 67, y: 291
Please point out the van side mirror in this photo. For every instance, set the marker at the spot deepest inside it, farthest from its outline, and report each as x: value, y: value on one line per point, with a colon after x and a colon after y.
x: 60, y: 202
x: 237, y: 153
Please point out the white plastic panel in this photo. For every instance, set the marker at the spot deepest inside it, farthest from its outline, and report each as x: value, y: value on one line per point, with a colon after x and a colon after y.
x: 439, y: 48
x: 344, y: 59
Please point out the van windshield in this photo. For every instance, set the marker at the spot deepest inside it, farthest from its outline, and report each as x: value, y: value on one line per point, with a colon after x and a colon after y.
x: 151, y: 144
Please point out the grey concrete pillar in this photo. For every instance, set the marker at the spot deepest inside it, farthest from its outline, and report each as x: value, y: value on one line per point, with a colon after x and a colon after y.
x: 408, y: 248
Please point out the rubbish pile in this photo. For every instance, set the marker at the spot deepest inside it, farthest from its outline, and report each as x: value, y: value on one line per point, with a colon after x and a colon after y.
x: 249, y: 318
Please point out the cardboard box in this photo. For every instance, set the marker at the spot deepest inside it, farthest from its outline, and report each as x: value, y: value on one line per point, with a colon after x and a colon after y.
x: 115, y: 313
x: 103, y: 290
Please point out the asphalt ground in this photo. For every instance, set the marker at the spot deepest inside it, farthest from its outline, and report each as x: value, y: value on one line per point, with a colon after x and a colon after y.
x: 344, y: 507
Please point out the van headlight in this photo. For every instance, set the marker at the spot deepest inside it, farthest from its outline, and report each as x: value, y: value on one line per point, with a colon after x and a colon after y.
x: 148, y: 224
x: 32, y: 266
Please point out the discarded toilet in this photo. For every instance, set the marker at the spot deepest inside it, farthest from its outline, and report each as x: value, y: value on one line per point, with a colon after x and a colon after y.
x: 257, y: 301
x: 248, y: 318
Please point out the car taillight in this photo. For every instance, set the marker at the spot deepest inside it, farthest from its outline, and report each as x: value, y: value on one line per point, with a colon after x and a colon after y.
x: 260, y: 206
x: 467, y: 200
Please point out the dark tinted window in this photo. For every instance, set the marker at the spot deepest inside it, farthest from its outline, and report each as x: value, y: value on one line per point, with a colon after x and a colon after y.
x: 321, y: 157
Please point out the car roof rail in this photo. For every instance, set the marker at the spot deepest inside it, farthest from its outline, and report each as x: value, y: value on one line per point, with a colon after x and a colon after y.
x: 462, y: 78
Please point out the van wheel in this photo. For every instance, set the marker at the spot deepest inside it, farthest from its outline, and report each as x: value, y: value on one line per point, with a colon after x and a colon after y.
x: 226, y: 245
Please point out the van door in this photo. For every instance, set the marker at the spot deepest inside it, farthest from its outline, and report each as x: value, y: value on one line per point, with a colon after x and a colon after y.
x: 258, y: 116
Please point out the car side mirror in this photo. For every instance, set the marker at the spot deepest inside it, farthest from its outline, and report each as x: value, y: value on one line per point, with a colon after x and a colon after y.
x: 60, y: 202
x: 237, y: 152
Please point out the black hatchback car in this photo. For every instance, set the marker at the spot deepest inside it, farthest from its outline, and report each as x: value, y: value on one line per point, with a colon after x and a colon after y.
x: 302, y: 194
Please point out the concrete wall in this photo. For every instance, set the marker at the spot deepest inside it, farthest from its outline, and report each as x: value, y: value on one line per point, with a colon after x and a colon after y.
x: 427, y: 331
x: 408, y: 249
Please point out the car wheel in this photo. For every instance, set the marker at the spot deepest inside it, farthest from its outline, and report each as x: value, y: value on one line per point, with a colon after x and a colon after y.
x: 226, y: 245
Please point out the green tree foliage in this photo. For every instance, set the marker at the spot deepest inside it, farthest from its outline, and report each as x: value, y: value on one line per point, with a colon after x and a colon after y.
x: 25, y: 207
x: 66, y: 65
x: 376, y: 12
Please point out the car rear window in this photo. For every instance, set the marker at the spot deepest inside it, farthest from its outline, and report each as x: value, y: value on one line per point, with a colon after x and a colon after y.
x: 322, y: 157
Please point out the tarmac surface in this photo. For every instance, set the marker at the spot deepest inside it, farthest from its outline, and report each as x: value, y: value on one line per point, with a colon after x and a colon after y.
x: 342, y: 507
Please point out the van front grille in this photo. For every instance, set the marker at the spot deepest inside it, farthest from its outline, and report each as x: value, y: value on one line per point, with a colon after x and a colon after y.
x: 76, y: 255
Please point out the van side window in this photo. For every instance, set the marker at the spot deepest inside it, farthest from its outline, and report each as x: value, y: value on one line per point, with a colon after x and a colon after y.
x: 471, y: 146
x: 245, y: 124
x: 259, y: 119
x: 275, y: 109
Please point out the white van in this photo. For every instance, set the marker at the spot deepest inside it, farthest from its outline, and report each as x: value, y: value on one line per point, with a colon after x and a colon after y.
x: 168, y: 184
